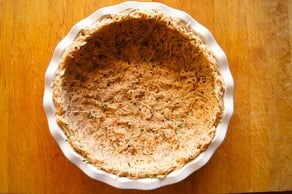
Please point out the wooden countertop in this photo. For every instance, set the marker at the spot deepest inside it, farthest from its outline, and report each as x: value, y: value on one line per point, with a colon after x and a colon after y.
x: 256, y: 154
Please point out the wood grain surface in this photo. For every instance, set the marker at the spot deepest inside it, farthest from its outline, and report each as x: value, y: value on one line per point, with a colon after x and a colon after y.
x: 256, y: 154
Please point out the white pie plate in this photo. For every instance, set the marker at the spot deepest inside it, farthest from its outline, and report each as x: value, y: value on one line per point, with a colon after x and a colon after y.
x: 147, y: 183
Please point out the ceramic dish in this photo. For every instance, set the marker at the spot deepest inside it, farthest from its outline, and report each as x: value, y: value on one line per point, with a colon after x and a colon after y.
x: 144, y: 183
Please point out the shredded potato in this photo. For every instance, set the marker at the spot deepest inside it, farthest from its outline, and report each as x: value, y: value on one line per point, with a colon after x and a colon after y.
x: 138, y: 94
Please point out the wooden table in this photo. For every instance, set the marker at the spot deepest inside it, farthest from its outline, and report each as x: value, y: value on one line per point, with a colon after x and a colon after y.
x: 256, y: 155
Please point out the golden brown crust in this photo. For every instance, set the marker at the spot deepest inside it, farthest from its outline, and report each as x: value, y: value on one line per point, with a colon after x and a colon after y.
x: 138, y: 94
